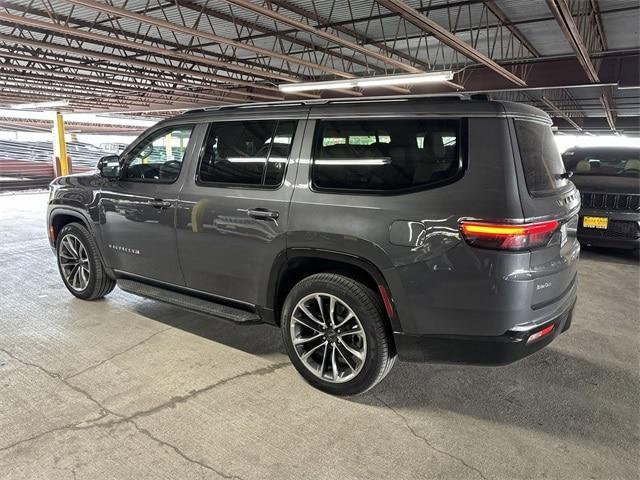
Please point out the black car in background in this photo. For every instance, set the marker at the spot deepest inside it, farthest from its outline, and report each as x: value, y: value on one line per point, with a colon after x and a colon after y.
x: 609, y: 182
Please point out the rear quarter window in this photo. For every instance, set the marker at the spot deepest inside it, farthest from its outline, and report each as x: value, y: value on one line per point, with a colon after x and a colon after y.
x: 386, y: 155
x: 541, y: 160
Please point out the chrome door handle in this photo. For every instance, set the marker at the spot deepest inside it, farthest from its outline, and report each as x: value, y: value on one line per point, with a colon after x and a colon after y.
x: 262, y: 213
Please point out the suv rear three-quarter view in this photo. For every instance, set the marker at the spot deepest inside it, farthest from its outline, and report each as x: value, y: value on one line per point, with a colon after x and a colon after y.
x: 439, y: 230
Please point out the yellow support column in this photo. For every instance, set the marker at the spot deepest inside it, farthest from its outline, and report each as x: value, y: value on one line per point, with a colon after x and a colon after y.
x: 59, y: 145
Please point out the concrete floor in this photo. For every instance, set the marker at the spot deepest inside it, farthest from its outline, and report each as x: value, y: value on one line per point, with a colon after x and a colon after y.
x: 132, y: 388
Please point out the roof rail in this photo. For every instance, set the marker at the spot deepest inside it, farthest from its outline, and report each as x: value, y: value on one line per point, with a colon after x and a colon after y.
x: 324, y: 101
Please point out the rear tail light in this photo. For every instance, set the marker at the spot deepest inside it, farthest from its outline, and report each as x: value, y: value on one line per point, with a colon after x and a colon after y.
x: 505, y: 236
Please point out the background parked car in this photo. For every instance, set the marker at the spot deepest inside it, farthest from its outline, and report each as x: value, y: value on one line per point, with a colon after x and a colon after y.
x: 609, y: 182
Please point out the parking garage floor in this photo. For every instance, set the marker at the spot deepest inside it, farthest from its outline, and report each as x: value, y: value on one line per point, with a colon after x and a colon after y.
x: 133, y: 388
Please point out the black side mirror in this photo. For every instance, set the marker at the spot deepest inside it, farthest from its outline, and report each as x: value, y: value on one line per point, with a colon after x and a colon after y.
x: 109, y: 166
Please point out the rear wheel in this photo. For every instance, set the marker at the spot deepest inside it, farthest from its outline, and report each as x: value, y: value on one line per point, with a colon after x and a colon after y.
x: 80, y: 265
x: 335, y: 334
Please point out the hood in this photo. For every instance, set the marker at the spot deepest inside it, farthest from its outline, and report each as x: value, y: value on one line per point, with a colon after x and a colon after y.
x: 606, y: 184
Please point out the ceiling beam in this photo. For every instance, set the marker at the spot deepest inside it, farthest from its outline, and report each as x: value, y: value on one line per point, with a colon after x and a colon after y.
x: 565, y: 21
x: 48, y: 15
x: 562, y: 12
x: 97, y: 83
x: 560, y: 113
x: 324, y: 23
x: 149, y: 20
x: 416, y: 18
x: 140, y: 47
x: 305, y: 27
x: 266, y: 32
x: 515, y: 31
x: 105, y: 74
x: 119, y: 60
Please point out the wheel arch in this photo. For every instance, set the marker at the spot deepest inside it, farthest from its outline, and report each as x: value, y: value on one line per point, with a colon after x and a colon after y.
x: 60, y: 217
x: 294, y: 264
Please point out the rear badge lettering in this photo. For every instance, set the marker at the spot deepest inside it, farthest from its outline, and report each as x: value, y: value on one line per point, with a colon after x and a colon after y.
x: 541, y: 286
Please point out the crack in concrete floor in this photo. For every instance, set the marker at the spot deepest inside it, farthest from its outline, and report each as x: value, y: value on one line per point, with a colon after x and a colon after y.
x: 105, y: 411
x: 427, y: 441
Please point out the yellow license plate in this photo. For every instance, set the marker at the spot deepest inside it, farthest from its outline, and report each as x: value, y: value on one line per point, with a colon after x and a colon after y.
x: 595, y: 222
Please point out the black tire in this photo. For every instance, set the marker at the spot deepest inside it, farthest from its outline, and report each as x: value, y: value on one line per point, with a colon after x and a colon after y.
x: 380, y: 353
x: 99, y: 283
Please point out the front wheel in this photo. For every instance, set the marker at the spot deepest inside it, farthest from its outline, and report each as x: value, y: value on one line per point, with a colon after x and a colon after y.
x: 80, y: 265
x: 335, y: 334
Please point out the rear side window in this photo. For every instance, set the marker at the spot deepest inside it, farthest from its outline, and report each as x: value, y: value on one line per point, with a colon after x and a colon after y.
x: 249, y: 153
x: 541, y: 160
x: 386, y: 155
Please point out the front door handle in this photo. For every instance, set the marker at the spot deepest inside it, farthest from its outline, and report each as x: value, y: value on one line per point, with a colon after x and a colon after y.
x: 263, y: 213
x: 160, y: 204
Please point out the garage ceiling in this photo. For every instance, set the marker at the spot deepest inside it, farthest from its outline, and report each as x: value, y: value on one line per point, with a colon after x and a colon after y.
x: 578, y: 60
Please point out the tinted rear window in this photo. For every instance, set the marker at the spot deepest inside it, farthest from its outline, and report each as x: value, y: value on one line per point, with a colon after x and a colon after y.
x: 386, y: 155
x: 541, y: 160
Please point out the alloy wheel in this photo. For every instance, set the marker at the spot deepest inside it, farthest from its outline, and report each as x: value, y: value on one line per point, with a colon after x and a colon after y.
x: 74, y: 262
x: 328, y: 337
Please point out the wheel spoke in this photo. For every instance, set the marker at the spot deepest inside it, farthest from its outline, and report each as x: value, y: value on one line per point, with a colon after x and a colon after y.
x: 308, y: 353
x: 84, y: 277
x: 71, y: 247
x: 301, y: 340
x: 308, y: 323
x: 73, y: 276
x: 357, y: 331
x: 324, y: 359
x: 352, y: 351
x: 332, y: 309
x: 334, y: 365
x: 311, y: 316
x: 319, y: 300
x: 67, y: 248
x: 349, y: 316
x: 344, y: 357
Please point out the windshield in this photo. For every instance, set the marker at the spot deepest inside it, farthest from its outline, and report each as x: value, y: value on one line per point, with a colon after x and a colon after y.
x: 623, y: 164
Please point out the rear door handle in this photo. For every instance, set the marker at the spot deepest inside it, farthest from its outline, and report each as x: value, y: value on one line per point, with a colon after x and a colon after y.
x: 157, y: 203
x: 262, y: 213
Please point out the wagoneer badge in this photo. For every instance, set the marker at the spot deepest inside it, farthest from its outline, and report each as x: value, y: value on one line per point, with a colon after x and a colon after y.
x: 120, y: 248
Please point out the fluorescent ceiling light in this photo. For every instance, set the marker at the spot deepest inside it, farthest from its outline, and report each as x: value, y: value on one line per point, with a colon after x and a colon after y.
x: 412, y: 79
x: 359, y: 161
x: 256, y: 159
x: 41, y: 105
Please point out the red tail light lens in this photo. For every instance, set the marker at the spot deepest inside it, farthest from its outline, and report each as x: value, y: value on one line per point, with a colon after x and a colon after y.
x: 541, y: 334
x: 504, y: 236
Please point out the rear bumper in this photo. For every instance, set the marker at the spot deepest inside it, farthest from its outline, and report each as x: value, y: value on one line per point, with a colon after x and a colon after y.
x: 477, y: 350
x: 602, y: 241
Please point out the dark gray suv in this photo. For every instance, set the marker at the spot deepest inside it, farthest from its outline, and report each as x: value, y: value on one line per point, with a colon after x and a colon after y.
x: 438, y: 230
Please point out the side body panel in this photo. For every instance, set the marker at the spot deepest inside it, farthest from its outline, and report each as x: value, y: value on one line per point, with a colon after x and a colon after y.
x: 137, y: 222
x: 439, y: 284
x: 223, y: 249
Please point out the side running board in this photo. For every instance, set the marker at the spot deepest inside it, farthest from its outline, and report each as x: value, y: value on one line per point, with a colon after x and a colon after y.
x: 188, y: 302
